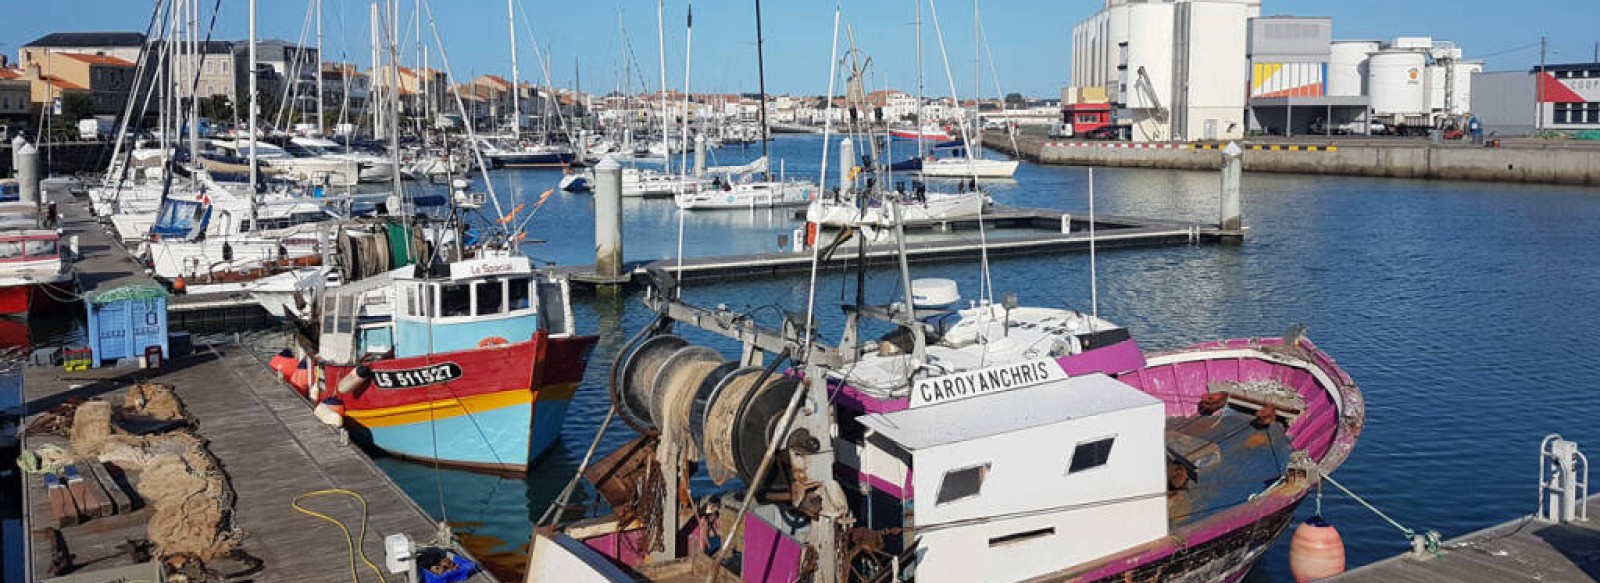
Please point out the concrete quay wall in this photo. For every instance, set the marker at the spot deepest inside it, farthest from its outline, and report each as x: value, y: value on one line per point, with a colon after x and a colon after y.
x: 1573, y: 165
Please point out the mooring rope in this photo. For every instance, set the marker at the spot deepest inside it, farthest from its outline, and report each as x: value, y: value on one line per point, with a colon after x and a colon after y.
x: 1430, y: 539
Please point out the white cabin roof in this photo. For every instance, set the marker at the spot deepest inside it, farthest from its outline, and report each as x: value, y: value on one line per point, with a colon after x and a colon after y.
x: 1008, y: 411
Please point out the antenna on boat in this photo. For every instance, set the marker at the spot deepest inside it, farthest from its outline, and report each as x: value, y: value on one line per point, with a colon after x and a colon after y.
x: 827, y: 135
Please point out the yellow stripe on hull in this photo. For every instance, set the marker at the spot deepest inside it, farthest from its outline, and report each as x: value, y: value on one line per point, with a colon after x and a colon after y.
x: 446, y: 409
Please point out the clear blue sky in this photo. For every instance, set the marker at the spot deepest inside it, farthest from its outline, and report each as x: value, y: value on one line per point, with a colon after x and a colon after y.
x: 1029, y: 38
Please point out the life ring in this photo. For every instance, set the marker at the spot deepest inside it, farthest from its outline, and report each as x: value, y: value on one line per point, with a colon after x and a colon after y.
x: 492, y: 341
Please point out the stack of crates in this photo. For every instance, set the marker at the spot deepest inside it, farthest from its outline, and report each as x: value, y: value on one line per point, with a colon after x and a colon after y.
x: 127, y: 322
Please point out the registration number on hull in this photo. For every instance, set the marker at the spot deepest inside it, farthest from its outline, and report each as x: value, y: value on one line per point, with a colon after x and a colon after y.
x: 416, y: 377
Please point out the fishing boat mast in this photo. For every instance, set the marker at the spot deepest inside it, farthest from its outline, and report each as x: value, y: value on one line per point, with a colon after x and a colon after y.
x: 255, y: 171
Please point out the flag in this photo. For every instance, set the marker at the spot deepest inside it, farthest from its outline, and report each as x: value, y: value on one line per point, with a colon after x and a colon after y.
x: 691, y: 15
x: 543, y: 197
x: 506, y: 219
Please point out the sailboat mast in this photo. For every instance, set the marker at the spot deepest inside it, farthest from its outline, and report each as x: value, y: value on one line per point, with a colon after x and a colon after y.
x: 661, y: 50
x: 761, y: 83
x: 254, y: 99
x: 394, y: 110
x: 322, y: 130
x: 688, y: 52
x: 516, y: 102
x: 977, y: 75
x: 922, y: 150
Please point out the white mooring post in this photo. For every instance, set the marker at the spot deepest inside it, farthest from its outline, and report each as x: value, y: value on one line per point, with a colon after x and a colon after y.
x: 847, y: 160
x: 608, y: 218
x: 699, y: 155
x: 1232, y: 220
x: 28, y: 174
x: 1563, y: 481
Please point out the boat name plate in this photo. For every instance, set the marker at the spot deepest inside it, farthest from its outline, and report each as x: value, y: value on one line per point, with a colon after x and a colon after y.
x: 984, y: 381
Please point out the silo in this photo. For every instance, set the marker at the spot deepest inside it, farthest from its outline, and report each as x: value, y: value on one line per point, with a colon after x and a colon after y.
x: 1395, y: 82
x: 1347, y: 67
x: 1435, y: 83
x: 1462, y: 99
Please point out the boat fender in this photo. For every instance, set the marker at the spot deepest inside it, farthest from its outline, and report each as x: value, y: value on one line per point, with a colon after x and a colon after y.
x: 811, y: 234
x: 492, y: 341
x: 1316, y: 551
x: 330, y: 411
x: 300, y: 377
x: 178, y: 285
x: 356, y: 380
x: 283, y: 362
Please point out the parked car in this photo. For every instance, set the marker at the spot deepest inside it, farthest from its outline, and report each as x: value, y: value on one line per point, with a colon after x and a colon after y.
x: 1060, y: 130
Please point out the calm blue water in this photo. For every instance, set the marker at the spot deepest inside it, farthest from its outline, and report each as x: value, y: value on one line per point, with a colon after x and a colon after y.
x: 1463, y: 310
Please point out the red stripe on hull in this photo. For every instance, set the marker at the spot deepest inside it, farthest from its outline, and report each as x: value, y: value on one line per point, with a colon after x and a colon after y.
x: 539, y: 362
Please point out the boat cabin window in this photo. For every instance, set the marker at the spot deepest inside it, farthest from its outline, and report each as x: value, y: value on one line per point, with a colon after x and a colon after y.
x: 491, y: 297
x: 10, y: 249
x: 411, y: 301
x: 555, y: 318
x: 347, y: 314
x: 41, y: 248
x: 330, y: 313
x: 1090, y: 454
x: 962, y: 483
x: 455, y: 300
x: 518, y: 292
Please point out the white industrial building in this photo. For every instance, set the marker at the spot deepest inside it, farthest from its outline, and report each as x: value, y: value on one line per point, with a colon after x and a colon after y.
x: 1186, y: 70
x: 1174, y: 70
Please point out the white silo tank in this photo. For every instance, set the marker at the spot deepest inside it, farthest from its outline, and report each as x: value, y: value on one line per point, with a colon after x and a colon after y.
x: 1462, y: 100
x: 1435, y: 82
x: 1347, y: 67
x: 1395, y: 82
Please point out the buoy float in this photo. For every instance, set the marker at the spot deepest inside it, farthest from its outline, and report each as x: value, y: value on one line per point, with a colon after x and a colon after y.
x: 1316, y: 551
x: 283, y: 362
x: 330, y: 411
x: 300, y: 378
x: 178, y: 285
x: 356, y: 380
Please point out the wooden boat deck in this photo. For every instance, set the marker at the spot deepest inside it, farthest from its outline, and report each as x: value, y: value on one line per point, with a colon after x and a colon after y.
x: 272, y: 449
x: 1525, y: 549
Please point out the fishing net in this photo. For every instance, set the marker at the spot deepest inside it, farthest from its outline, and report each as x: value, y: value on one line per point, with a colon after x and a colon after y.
x: 91, y: 426
x: 153, y: 400
x: 129, y: 292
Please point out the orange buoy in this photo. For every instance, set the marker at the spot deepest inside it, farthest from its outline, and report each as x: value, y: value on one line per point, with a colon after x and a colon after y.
x: 1316, y: 551
x: 178, y: 285
x: 283, y: 362
x: 300, y: 377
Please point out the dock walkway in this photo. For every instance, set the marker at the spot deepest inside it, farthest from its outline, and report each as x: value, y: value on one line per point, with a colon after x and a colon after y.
x: 272, y: 449
x: 947, y: 240
x: 1525, y: 549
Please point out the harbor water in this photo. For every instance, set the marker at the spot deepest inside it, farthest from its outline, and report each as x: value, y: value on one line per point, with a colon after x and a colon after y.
x: 1463, y: 310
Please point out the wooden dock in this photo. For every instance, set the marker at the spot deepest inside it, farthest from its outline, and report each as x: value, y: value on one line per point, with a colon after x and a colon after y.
x: 271, y: 448
x: 1525, y: 549
x: 1043, y: 234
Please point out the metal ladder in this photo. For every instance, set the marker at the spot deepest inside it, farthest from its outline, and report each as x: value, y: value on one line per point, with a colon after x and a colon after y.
x: 1563, y: 481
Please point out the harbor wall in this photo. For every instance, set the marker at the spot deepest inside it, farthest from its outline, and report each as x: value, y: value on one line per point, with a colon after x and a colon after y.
x: 1554, y: 165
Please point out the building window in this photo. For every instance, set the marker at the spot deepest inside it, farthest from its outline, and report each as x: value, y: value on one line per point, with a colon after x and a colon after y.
x: 1090, y: 454
x: 962, y: 483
